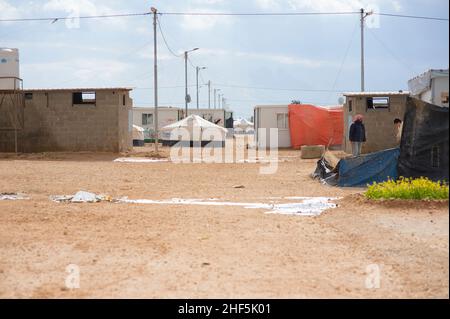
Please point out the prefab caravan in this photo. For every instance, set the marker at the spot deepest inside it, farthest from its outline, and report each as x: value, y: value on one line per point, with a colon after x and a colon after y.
x: 272, y: 116
x: 144, y: 117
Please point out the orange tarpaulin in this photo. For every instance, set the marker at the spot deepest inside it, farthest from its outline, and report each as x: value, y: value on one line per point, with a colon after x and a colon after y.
x: 315, y: 125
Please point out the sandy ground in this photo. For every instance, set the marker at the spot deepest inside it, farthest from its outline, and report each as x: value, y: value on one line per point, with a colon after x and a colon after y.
x: 175, y: 251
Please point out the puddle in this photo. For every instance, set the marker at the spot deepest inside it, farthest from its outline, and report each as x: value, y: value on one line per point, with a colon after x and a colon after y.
x: 13, y: 196
x: 309, y: 206
x: 140, y: 160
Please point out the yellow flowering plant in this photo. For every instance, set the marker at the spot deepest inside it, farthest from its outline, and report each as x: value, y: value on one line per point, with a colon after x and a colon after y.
x: 408, y: 188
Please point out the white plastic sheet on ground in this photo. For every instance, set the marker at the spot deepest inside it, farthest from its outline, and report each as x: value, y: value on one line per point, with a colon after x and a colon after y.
x: 140, y: 160
x: 13, y: 196
x: 80, y: 197
x: 309, y: 206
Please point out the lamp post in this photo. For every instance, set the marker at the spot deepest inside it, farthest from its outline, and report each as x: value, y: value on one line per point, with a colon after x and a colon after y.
x: 198, y: 71
x: 187, y: 97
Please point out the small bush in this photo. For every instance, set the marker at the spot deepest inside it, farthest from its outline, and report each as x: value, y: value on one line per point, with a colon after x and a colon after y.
x: 406, y: 188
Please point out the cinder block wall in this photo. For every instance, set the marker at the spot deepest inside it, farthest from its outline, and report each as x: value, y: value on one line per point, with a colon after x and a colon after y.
x: 379, y: 124
x: 53, y: 123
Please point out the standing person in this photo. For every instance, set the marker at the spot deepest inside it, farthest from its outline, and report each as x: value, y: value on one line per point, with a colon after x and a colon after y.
x: 398, y: 128
x: 357, y: 135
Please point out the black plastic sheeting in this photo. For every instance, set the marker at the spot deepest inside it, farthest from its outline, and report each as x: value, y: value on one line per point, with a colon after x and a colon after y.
x: 326, y: 173
x: 424, y: 145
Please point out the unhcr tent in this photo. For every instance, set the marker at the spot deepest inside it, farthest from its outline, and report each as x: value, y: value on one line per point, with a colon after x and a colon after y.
x: 194, y: 131
x: 316, y: 125
x: 359, y: 171
x: 138, y: 136
x: 424, y: 145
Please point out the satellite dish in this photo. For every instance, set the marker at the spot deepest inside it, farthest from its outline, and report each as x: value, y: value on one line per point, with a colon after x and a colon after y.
x: 341, y: 100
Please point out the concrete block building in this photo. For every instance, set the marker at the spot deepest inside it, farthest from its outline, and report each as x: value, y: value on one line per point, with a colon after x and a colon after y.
x: 379, y: 109
x: 73, y: 120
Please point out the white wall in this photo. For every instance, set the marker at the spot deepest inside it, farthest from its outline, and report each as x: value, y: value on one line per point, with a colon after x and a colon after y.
x: 166, y: 116
x: 439, y: 86
x: 266, y: 118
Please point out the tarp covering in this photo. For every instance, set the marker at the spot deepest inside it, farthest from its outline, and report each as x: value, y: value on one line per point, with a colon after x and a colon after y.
x: 367, y: 169
x: 315, y: 125
x: 425, y: 141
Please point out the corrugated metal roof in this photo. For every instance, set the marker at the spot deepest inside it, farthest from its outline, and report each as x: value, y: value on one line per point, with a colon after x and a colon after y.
x: 78, y: 89
x: 387, y: 93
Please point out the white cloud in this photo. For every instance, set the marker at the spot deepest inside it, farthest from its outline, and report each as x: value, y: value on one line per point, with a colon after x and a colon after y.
x: 8, y: 11
x: 78, y: 72
x: 275, y: 58
x: 268, y: 4
x: 327, y: 5
x: 204, y: 22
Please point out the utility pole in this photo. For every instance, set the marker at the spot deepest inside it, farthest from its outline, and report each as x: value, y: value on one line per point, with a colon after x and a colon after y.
x: 187, y: 98
x: 362, y: 52
x: 364, y: 15
x: 209, y: 94
x: 198, y: 71
x: 215, y: 97
x: 155, y: 44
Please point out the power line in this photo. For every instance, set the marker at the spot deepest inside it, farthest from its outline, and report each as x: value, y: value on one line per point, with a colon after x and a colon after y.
x: 165, y: 41
x: 410, y: 16
x: 267, y: 14
x: 258, y: 13
x: 274, y: 89
x: 395, y: 56
x: 55, y: 19
x: 344, y: 59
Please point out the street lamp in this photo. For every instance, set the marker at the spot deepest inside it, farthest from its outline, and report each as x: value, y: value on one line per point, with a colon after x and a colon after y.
x: 187, y: 97
x: 198, y: 71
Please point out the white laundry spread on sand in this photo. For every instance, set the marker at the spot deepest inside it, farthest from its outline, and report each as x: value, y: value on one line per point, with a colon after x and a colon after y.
x: 310, y: 206
x: 80, y: 197
x: 13, y: 196
x: 140, y: 160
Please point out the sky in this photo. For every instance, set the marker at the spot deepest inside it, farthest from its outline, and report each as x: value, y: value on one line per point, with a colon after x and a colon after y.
x: 253, y: 60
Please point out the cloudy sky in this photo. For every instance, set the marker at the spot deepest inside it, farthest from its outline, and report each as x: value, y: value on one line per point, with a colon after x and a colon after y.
x: 252, y: 60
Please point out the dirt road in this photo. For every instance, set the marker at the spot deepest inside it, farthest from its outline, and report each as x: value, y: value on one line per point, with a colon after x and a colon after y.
x: 171, y: 251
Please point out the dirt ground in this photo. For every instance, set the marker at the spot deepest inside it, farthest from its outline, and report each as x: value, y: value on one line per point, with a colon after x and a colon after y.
x: 175, y: 251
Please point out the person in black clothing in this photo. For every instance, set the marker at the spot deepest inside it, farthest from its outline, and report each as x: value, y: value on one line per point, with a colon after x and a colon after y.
x: 357, y: 135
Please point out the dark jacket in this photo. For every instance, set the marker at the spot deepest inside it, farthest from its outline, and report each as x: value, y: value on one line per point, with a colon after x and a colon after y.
x: 357, y: 132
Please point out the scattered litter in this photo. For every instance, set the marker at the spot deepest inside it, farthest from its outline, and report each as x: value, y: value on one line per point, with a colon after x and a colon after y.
x: 258, y: 160
x: 239, y: 186
x: 140, y: 160
x: 310, y: 206
x: 13, y: 196
x: 81, y: 197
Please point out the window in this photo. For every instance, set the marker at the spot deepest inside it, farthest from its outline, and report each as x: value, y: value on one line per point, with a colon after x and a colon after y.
x: 444, y: 97
x: 147, y: 119
x: 350, y: 106
x: 282, y: 120
x: 378, y: 103
x: 84, y: 98
x: 124, y: 100
x: 28, y: 96
x: 435, y: 157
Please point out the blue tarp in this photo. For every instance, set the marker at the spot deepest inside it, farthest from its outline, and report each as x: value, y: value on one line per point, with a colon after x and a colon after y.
x: 367, y: 169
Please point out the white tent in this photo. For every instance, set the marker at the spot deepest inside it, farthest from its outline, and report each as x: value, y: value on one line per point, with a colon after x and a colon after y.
x: 138, y: 133
x: 242, y: 124
x: 193, y: 128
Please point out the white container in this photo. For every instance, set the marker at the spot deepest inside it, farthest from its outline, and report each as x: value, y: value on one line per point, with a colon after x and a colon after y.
x: 9, y: 69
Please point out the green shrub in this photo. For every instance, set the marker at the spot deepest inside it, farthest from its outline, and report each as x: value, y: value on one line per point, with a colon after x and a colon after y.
x: 406, y: 188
